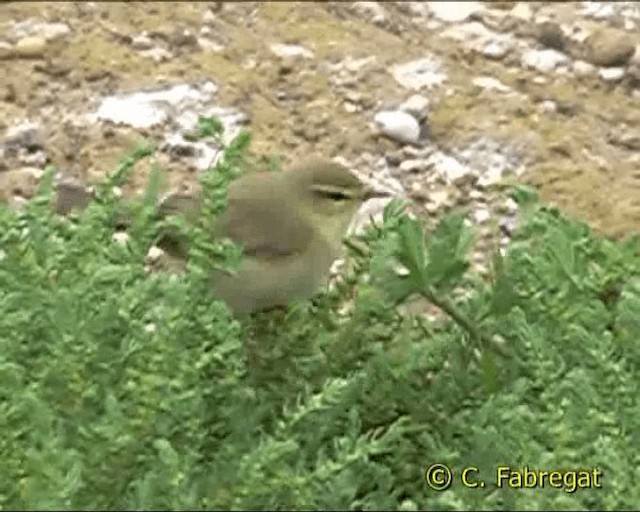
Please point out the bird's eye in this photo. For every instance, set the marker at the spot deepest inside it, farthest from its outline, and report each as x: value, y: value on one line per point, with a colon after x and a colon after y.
x: 336, y: 196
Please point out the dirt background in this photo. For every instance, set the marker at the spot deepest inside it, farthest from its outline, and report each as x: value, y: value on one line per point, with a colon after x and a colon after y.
x: 581, y: 152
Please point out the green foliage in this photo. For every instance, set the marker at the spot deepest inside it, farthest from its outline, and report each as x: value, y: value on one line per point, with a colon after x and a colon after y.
x: 121, y: 389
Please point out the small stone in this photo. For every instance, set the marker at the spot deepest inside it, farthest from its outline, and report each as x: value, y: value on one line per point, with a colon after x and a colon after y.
x: 158, y: 54
x: 550, y: 35
x: 410, y: 166
x: 6, y: 50
x: 440, y: 198
x: 582, y: 68
x: 209, y: 18
x: 416, y: 105
x: 426, y: 72
x: 142, y: 42
x: 481, y: 215
x: 598, y: 10
x: 398, y: 125
x: 31, y: 47
x: 454, y: 12
x: 496, y: 50
x: 522, y: 11
x: 609, y: 48
x: 491, y: 84
x: 290, y: 51
x: 548, y: 106
x: 611, y: 74
x: 120, y: 237
x: 372, y: 9
x: 544, y: 60
x: 33, y: 27
x: 449, y: 167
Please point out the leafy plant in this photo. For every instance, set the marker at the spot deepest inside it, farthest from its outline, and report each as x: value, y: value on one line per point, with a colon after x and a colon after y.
x: 123, y: 389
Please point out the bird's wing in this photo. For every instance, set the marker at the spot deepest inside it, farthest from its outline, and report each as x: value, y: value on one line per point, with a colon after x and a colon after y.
x: 264, y: 225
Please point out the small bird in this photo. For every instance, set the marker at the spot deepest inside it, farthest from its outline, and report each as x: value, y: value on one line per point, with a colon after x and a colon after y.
x: 290, y: 225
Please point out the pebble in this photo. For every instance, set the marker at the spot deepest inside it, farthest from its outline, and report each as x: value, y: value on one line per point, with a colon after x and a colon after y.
x: 31, y: 47
x: 142, y: 42
x: 451, y: 169
x: 426, y: 72
x: 147, y: 109
x: 120, y: 237
x: 398, y: 125
x: 157, y: 54
x: 285, y: 51
x: 491, y: 84
x: 522, y: 11
x: 454, y: 12
x: 372, y: 9
x: 33, y: 27
x: 496, y: 49
x: 544, y: 60
x: 6, y: 50
x: 409, y: 166
x: 439, y: 198
x: 550, y: 34
x: 548, y: 106
x: 416, y: 105
x: 582, y: 68
x: 611, y: 74
x: 481, y: 215
x: 609, y: 48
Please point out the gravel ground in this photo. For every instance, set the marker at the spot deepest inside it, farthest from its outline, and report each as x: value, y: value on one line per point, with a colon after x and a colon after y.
x: 440, y: 103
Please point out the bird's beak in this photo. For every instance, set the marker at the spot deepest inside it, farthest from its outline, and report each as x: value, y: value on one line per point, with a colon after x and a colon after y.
x: 370, y: 193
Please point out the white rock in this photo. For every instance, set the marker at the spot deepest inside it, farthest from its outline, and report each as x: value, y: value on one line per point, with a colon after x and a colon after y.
x: 491, y: 84
x: 142, y: 42
x: 598, y: 10
x: 426, y: 72
x: 481, y: 215
x: 496, y: 49
x: 522, y: 11
x: 157, y: 54
x: 438, y: 199
x: 209, y: 45
x: 154, y: 253
x: 611, y: 74
x: 548, y: 106
x: 31, y: 46
x: 285, y: 51
x: 413, y: 165
x: 33, y: 27
x: 416, y: 105
x: 5, y: 50
x: 398, y: 125
x: 582, y: 68
x: 510, y: 205
x: 209, y: 18
x: 372, y: 9
x: 449, y: 167
x: 147, y: 109
x: 373, y: 208
x: 544, y: 60
x: 454, y: 12
x: 120, y: 237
